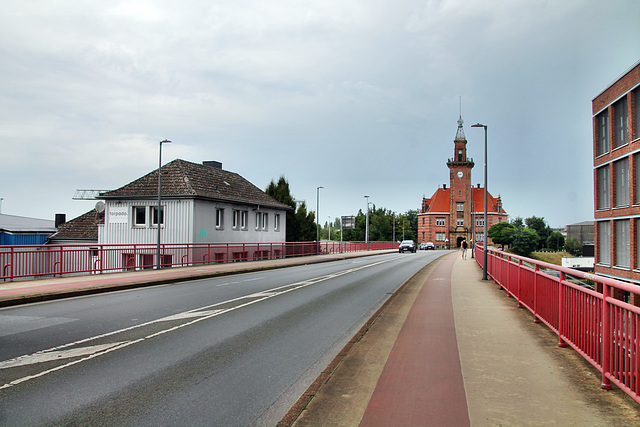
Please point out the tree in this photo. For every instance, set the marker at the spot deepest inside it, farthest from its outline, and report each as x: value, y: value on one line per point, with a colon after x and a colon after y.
x: 525, y: 241
x: 305, y: 225
x: 573, y: 246
x: 502, y: 233
x: 518, y: 222
x: 282, y: 193
x: 555, y: 241
x: 538, y: 224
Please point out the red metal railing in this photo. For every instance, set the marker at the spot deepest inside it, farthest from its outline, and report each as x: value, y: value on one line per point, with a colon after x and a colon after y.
x: 31, y: 262
x: 603, y: 329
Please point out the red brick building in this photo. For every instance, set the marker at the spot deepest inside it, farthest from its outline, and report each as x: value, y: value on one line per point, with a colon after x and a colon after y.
x: 456, y: 212
x: 616, y: 160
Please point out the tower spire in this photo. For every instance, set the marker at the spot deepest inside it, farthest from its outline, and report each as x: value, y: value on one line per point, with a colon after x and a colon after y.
x: 460, y: 132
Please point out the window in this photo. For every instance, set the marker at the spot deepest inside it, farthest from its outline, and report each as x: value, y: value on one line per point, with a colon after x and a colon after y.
x: 243, y: 219
x: 423, y: 219
x: 623, y: 243
x: 602, y: 126
x: 636, y: 93
x: 480, y: 237
x: 460, y: 207
x: 154, y: 221
x: 265, y: 221
x: 636, y: 159
x: 621, y: 169
x: 480, y: 221
x: 276, y: 222
x: 440, y: 222
x: 236, y: 220
x: 219, y: 218
x: 440, y: 237
x: 460, y: 222
x: 603, y: 187
x: 621, y: 123
x: 604, y: 243
x: 139, y: 216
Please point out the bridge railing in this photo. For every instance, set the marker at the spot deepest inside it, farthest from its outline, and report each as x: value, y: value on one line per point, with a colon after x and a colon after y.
x: 595, y: 315
x: 40, y: 261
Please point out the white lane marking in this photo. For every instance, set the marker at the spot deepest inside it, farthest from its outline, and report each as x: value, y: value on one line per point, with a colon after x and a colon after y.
x: 49, y: 356
x: 200, y: 314
x: 242, y: 281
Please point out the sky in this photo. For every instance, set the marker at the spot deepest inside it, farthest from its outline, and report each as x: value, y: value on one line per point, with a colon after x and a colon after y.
x: 360, y: 97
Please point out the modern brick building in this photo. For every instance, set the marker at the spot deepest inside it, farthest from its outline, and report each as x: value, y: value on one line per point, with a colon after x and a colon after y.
x: 456, y: 212
x: 616, y: 160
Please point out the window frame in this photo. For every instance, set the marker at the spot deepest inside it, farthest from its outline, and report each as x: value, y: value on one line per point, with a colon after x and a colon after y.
x: 621, y: 171
x: 134, y: 213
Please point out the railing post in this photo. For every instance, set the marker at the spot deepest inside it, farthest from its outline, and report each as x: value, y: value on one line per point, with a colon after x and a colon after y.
x: 518, y: 287
x: 561, y: 342
x: 606, y: 338
x: 535, y: 295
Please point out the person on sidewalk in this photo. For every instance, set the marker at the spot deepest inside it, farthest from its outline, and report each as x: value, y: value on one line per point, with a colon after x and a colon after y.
x: 464, y: 249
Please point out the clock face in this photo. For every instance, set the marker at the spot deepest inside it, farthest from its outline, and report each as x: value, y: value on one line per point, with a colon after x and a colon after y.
x: 460, y: 174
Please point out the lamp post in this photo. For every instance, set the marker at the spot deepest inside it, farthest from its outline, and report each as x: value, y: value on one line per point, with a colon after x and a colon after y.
x: 473, y: 222
x: 318, y: 220
x: 158, y: 222
x: 366, y: 233
x: 486, y: 190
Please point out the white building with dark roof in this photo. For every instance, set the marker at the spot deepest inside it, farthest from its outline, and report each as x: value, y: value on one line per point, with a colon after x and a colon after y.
x: 201, y: 203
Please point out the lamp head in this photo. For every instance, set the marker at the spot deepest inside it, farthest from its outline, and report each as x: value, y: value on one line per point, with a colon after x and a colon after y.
x: 478, y: 125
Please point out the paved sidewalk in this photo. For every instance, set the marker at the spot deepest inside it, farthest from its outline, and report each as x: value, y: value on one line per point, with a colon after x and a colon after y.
x: 451, y: 350
x: 26, y: 291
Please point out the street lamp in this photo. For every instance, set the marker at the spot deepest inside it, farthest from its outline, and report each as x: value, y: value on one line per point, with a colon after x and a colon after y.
x: 158, y: 222
x: 329, y: 216
x: 318, y: 219
x: 366, y: 233
x: 486, y: 190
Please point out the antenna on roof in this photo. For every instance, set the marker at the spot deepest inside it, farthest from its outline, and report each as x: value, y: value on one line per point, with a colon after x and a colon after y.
x: 87, y: 194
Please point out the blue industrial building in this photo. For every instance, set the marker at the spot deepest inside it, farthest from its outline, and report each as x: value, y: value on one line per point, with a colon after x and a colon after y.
x: 20, y: 230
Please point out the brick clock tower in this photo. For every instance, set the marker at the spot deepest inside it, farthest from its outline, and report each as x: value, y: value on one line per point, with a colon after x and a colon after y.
x: 456, y: 211
x: 460, y: 166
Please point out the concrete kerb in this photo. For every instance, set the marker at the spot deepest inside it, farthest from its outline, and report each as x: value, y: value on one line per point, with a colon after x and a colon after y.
x: 38, y: 290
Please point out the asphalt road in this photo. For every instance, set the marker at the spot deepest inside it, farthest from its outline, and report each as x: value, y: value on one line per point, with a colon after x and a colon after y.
x: 230, y: 351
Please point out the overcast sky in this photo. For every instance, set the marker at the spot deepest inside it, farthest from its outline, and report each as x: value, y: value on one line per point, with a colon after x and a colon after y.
x: 360, y: 97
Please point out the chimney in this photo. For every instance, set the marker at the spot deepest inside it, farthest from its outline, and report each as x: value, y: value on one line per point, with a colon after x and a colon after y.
x: 444, y: 186
x: 60, y: 219
x: 212, y: 164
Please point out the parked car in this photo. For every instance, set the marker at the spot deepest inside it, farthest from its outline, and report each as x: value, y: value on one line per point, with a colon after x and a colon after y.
x: 407, y: 245
x: 430, y: 246
x: 423, y: 246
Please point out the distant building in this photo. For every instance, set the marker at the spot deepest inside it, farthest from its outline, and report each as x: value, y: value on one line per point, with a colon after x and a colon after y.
x: 456, y: 213
x: 201, y: 203
x: 20, y: 230
x: 581, y: 231
x: 616, y: 159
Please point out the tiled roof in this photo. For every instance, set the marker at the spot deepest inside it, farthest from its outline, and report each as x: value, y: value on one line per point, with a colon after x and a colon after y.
x: 440, y: 202
x: 83, y: 227
x: 184, y: 179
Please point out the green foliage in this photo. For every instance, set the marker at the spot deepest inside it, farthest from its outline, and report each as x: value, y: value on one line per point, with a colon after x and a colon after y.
x: 304, y: 225
x: 539, y: 225
x: 300, y: 223
x: 502, y: 233
x: 525, y: 241
x: 518, y: 222
x: 555, y: 241
x: 573, y: 246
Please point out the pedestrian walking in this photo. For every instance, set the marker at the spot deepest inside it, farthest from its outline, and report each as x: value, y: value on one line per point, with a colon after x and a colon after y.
x: 464, y: 249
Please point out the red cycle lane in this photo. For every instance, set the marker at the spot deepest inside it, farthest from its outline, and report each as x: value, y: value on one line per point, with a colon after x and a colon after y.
x: 421, y: 383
